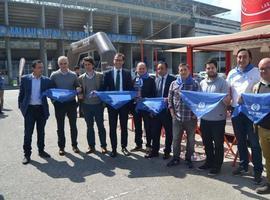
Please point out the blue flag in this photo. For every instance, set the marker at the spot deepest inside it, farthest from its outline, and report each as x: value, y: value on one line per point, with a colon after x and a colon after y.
x: 151, y: 105
x: 254, y: 106
x: 61, y: 95
x: 201, y: 103
x: 116, y: 99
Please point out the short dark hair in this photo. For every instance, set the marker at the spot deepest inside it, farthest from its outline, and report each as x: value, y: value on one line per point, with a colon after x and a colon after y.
x: 35, y: 62
x: 89, y: 59
x: 77, y: 67
x: 163, y: 63
x: 247, y: 50
x: 183, y: 64
x: 120, y: 55
x: 211, y: 61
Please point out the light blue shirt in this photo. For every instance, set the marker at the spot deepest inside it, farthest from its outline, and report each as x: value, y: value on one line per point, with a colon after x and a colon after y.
x: 35, y: 92
x: 121, y: 78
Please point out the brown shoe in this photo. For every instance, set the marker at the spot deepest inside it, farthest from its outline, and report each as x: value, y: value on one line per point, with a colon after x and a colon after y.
x: 62, y: 152
x: 91, y: 150
x: 76, y: 149
x: 104, y: 150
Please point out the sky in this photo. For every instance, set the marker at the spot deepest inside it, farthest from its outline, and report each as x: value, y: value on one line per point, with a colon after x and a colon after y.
x: 233, y: 5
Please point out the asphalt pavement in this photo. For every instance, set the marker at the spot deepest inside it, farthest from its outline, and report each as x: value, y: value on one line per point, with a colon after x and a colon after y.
x: 98, y: 176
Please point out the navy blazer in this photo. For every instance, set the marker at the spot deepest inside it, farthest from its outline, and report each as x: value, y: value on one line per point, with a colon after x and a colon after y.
x: 26, y: 90
x: 168, y: 82
x: 108, y: 80
x: 149, y: 87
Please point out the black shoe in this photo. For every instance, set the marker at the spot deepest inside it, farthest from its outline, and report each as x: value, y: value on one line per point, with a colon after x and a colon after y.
x: 113, y: 154
x: 166, y: 156
x: 151, y: 155
x: 91, y: 150
x: 44, y: 154
x: 125, y: 151
x: 189, y: 164
x: 265, y: 189
x: 62, y: 152
x: 76, y: 149
x: 214, y: 171
x: 240, y: 171
x: 257, y: 178
x: 26, y: 160
x: 137, y: 148
x: 104, y: 150
x: 204, y: 167
x: 173, y: 162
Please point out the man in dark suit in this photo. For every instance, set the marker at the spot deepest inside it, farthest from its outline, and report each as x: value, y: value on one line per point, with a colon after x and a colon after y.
x: 118, y: 79
x: 163, y: 119
x: 146, y: 87
x: 34, y: 108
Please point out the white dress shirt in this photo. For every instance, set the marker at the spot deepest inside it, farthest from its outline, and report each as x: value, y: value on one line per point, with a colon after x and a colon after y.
x: 164, y: 81
x: 121, y: 78
x: 35, y: 92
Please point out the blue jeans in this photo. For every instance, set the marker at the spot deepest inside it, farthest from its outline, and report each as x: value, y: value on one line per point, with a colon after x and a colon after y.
x: 244, y: 130
x: 92, y: 112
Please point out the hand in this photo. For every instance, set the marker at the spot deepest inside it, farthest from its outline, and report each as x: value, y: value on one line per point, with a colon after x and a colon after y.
x: 227, y: 100
x: 166, y: 99
x: 93, y: 93
x: 79, y: 89
x: 240, y: 100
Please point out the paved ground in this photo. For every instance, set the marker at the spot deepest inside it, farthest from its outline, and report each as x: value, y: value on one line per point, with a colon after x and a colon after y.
x: 99, y: 176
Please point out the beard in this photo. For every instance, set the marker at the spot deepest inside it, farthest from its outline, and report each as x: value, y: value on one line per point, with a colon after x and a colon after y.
x: 212, y: 75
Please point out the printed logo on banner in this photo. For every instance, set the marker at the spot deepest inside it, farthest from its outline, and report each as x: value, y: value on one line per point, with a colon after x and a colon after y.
x: 201, y: 105
x: 255, y: 107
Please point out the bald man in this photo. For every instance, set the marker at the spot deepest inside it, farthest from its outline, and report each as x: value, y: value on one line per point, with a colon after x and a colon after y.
x: 264, y: 126
x: 146, y: 87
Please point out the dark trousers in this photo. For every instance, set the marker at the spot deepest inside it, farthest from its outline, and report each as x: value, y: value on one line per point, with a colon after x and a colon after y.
x: 138, y: 117
x: 34, y: 115
x: 91, y: 113
x: 61, y: 110
x: 243, y: 130
x: 213, y: 141
x: 113, y: 117
x: 162, y: 119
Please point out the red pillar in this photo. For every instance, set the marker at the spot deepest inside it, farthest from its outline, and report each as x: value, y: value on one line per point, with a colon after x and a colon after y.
x: 228, y: 62
x: 141, y: 44
x: 190, y: 58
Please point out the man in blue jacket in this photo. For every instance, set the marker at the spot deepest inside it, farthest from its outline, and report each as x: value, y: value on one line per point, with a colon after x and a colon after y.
x: 34, y: 108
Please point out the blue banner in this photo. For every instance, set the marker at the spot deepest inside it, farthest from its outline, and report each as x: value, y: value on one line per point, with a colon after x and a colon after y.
x: 254, y: 106
x: 201, y: 103
x: 151, y: 105
x: 61, y: 95
x: 116, y: 99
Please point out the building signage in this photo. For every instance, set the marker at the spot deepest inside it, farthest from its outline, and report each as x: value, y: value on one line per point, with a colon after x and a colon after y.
x: 255, y: 13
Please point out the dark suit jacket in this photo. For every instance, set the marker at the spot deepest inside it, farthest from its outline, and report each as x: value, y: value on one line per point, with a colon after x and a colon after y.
x: 25, y: 93
x: 108, y: 83
x: 168, y: 82
x: 149, y: 87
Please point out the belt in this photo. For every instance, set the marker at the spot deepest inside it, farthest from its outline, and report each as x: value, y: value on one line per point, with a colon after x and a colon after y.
x: 35, y: 106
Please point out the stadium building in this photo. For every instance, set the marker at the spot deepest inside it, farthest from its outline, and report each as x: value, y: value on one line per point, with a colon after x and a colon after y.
x: 35, y: 29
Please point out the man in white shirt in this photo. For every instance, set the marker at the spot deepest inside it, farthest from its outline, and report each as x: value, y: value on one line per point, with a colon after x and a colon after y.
x: 34, y: 108
x: 241, y: 79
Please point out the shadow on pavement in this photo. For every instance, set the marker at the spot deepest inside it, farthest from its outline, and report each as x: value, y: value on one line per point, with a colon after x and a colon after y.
x: 86, y: 165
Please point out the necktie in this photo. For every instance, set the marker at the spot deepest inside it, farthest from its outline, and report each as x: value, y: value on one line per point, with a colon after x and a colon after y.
x: 160, y: 89
x: 117, y: 82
